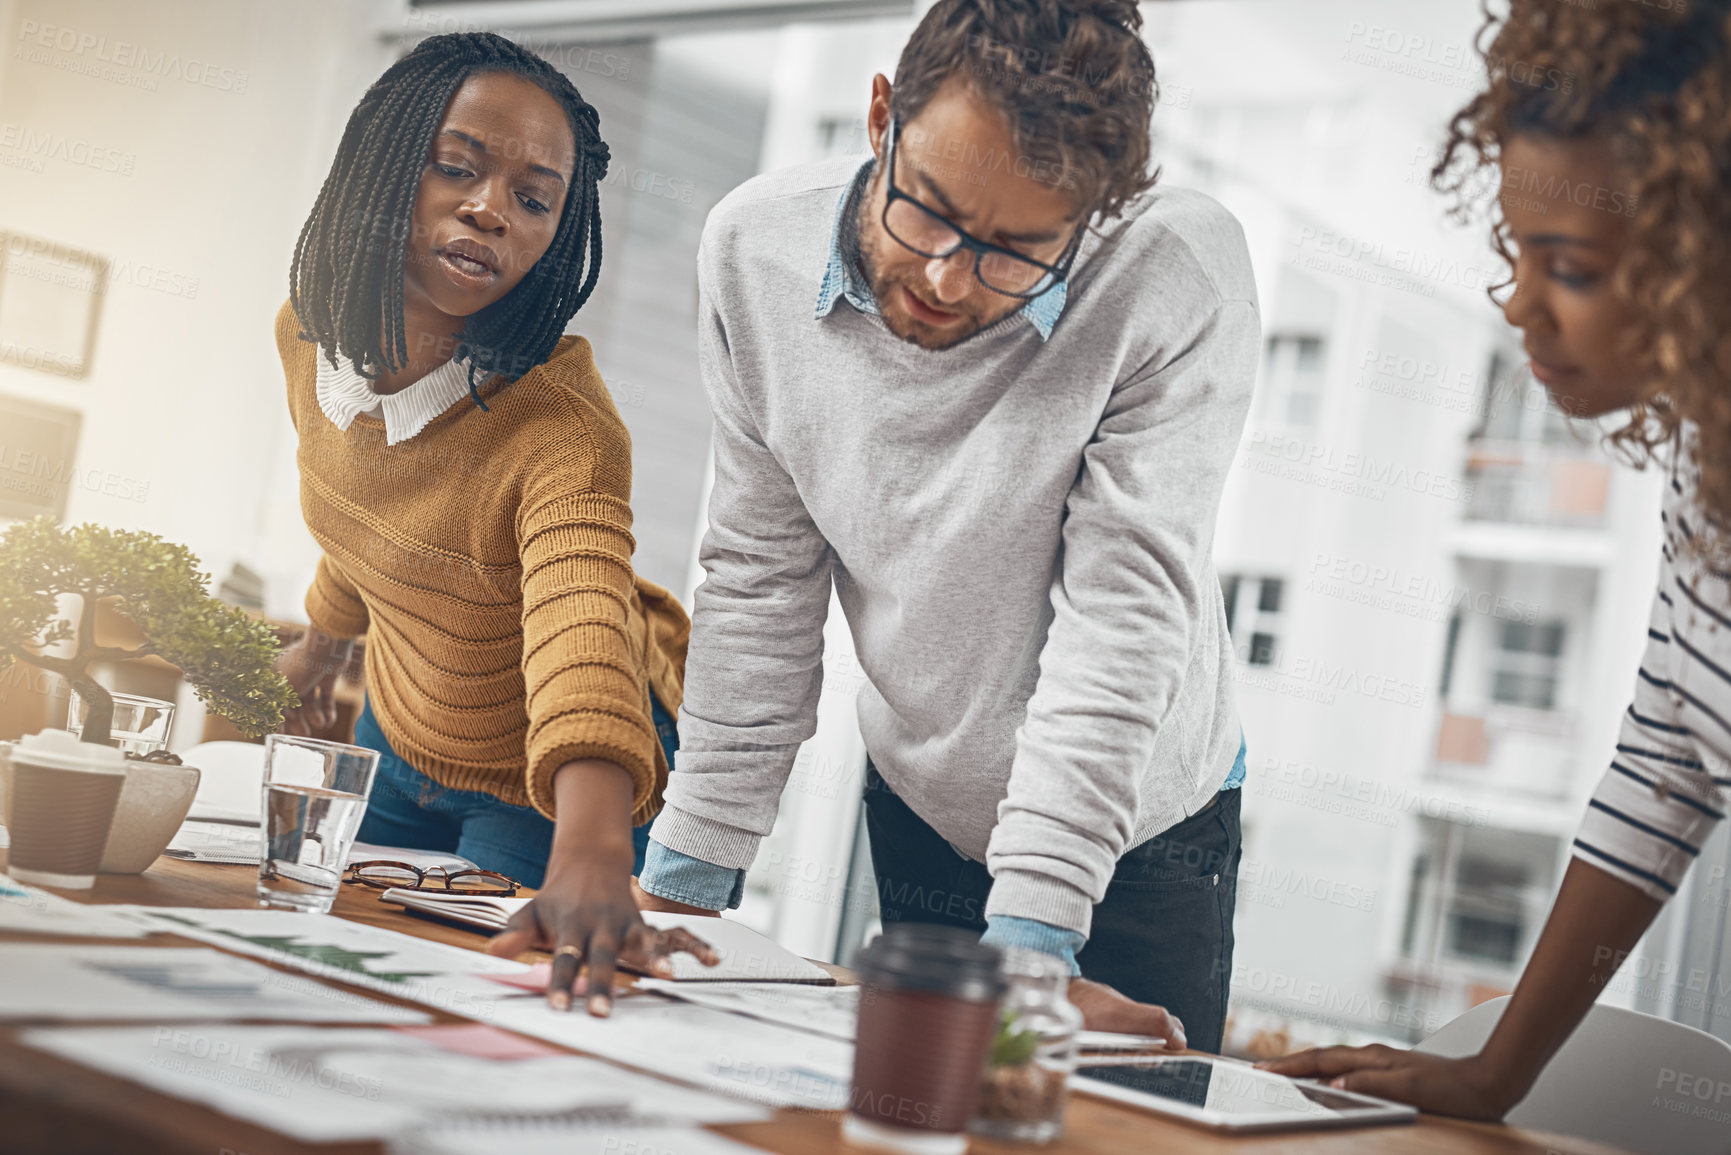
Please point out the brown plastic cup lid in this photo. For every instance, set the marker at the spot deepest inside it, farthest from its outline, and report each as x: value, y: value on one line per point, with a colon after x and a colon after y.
x: 63, y: 750
x: 943, y: 960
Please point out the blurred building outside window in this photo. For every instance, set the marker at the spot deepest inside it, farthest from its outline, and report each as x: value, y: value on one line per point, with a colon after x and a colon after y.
x: 1528, y: 659
x: 1525, y: 461
x: 1477, y: 898
x: 1253, y: 616
x: 842, y: 136
x: 1291, y: 389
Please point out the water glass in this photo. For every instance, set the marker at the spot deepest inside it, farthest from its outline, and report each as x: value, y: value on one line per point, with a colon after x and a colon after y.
x: 315, y: 793
x: 140, y: 727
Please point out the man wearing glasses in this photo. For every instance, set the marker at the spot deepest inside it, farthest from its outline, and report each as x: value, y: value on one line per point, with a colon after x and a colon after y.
x: 988, y: 385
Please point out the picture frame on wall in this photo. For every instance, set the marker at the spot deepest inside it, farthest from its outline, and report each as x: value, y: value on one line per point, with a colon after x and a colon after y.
x: 38, y: 457
x: 50, y: 304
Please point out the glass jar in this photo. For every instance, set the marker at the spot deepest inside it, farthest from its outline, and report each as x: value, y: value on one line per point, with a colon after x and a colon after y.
x: 1026, y: 1082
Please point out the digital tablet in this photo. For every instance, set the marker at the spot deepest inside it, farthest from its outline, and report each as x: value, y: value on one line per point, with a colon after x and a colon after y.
x: 1232, y: 1096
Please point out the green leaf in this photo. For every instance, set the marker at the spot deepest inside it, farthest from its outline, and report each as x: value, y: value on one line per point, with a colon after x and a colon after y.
x: 227, y: 656
x: 1012, y: 1047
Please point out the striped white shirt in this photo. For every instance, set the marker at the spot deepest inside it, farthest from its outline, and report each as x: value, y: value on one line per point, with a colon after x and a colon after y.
x: 1668, y: 782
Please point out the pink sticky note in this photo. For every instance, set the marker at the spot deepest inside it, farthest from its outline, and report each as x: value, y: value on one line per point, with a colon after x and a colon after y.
x: 480, y: 1041
x: 538, y: 976
x: 535, y: 978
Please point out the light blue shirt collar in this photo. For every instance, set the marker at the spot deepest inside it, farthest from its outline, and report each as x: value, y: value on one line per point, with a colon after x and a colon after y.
x: 842, y: 281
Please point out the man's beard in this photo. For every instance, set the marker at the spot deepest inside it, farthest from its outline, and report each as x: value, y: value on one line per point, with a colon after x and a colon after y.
x: 914, y: 332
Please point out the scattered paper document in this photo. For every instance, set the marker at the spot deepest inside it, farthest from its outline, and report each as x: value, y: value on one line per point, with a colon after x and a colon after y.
x: 746, y: 955
x: 327, y: 1086
x: 595, y: 1139
x: 239, y: 842
x: 480, y: 1041
x: 1098, y: 1041
x: 199, y: 840
x: 425, y: 859
x: 27, y: 910
x: 485, y: 912
x: 831, y: 1011
x: 57, y: 981
x: 432, y: 973
x: 834, y: 1011
x: 759, y: 1061
x: 234, y: 815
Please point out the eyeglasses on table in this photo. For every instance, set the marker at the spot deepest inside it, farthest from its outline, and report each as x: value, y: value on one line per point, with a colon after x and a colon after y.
x: 383, y: 874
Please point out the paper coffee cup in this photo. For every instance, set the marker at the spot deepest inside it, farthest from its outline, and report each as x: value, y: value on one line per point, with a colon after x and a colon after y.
x: 928, y: 1010
x: 60, y: 806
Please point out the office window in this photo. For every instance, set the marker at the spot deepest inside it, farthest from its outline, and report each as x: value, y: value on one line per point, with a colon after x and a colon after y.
x: 1477, y: 895
x: 1253, y: 616
x: 1450, y: 646
x: 1527, y: 663
x: 1292, y: 379
x: 1515, y: 407
x: 842, y: 136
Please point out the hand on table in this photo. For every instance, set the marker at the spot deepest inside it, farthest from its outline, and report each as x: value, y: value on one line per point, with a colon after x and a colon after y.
x: 1460, y: 1087
x: 584, y: 913
x: 1104, y: 1009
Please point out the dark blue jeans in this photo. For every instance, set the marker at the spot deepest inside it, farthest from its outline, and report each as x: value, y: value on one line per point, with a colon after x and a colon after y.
x: 1162, y: 934
x: 409, y: 809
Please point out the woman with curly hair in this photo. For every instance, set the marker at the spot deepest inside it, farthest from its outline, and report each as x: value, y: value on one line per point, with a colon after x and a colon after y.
x: 1610, y: 129
x: 469, y: 479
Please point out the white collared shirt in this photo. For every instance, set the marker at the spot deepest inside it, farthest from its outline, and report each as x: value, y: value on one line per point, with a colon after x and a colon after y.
x: 344, y: 395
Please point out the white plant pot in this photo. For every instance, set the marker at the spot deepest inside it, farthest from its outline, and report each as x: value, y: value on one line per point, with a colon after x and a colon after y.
x: 152, y: 805
x: 5, y: 787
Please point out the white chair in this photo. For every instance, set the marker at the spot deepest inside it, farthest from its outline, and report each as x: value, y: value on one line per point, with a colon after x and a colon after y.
x: 232, y: 773
x: 1634, y: 1081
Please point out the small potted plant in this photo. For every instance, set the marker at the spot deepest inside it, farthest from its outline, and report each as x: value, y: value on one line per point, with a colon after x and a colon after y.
x: 228, y: 657
x: 1025, y: 1086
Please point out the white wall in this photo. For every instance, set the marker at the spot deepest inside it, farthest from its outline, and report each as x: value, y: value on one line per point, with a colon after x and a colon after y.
x: 185, y: 394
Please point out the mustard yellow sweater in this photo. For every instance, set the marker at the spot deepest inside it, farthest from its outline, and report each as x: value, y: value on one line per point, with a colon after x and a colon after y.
x: 488, y: 561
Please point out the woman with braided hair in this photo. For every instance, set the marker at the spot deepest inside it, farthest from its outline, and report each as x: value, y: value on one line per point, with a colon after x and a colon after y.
x: 469, y: 479
x: 1610, y: 129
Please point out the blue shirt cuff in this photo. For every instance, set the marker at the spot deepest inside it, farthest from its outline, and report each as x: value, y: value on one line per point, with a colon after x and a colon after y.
x: 682, y: 878
x: 1006, y: 931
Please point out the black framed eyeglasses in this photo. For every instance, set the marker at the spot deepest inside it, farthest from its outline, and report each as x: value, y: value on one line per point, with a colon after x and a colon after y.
x: 382, y: 874
x: 929, y: 234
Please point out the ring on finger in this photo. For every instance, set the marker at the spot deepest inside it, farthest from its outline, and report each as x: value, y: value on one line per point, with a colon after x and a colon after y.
x: 574, y: 952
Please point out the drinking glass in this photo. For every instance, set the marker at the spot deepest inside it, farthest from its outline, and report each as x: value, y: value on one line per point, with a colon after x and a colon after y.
x: 315, y: 793
x: 140, y: 727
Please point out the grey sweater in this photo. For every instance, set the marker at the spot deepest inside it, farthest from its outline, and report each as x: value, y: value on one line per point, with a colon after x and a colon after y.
x: 1018, y: 529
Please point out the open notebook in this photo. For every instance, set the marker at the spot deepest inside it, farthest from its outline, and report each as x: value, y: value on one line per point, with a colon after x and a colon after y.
x: 746, y: 956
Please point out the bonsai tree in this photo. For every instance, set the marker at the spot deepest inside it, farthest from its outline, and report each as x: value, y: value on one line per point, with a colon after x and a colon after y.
x: 227, y: 656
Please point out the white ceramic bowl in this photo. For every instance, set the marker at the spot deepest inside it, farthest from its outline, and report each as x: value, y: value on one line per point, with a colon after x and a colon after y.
x: 5, y: 787
x: 152, y: 805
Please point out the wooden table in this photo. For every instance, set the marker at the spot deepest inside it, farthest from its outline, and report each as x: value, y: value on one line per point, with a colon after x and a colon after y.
x: 58, y: 1107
